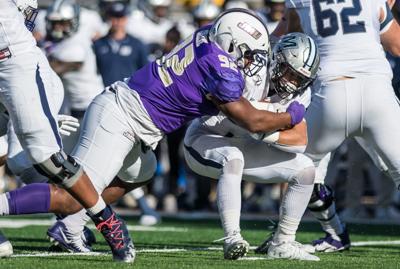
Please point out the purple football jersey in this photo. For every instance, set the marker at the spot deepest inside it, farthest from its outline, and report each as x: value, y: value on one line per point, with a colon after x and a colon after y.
x: 173, y: 89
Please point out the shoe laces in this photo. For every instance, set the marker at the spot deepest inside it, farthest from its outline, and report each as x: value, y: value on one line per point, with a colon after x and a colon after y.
x: 114, y: 233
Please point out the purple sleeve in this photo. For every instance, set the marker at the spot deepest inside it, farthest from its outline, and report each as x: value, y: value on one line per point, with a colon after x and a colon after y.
x: 228, y: 82
x: 229, y: 87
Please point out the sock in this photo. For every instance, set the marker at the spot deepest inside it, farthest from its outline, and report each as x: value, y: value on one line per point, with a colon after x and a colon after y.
x: 229, y: 202
x: 4, y: 207
x: 329, y: 220
x: 138, y: 194
x: 30, y: 199
x: 292, y: 208
x: 97, y: 208
x: 76, y: 222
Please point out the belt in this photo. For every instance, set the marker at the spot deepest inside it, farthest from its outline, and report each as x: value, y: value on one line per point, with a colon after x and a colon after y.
x: 5, y: 54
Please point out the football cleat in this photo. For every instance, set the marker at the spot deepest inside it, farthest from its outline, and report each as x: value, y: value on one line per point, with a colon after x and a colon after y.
x: 6, y: 248
x: 331, y: 243
x: 117, y: 236
x: 88, y: 236
x: 235, y: 247
x: 289, y: 250
x: 59, y: 236
x: 263, y: 248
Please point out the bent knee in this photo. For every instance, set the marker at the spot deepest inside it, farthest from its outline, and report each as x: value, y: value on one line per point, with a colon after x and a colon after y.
x: 305, y: 176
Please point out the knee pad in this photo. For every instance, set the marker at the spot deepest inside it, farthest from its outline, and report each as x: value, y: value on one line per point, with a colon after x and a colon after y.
x: 321, y: 199
x: 61, y: 169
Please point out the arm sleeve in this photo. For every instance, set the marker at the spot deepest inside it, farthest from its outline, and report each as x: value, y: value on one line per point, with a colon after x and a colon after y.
x: 69, y: 53
x: 388, y: 17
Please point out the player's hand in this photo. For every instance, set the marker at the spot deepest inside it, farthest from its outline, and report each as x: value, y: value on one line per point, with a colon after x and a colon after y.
x: 296, y: 111
x: 67, y: 124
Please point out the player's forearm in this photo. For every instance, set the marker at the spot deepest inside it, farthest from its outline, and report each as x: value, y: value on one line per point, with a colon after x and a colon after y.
x: 265, y: 122
x: 296, y: 136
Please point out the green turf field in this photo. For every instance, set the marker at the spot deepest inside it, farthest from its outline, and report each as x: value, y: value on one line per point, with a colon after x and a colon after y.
x: 189, y: 244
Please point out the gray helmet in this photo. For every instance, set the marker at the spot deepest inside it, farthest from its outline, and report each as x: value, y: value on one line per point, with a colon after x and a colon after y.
x: 65, y: 11
x: 295, y: 63
x: 206, y: 10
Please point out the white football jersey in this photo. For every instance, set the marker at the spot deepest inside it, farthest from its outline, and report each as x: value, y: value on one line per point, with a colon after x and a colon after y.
x: 256, y: 89
x: 347, y: 33
x: 90, y: 23
x: 13, y: 33
x: 83, y: 85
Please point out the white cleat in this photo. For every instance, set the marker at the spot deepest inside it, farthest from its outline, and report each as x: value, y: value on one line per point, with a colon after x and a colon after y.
x: 149, y: 220
x: 291, y: 251
x: 235, y: 247
x: 6, y: 249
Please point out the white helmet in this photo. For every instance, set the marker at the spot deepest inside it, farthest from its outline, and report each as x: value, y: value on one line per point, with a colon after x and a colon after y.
x: 62, y: 11
x: 29, y: 9
x: 244, y: 36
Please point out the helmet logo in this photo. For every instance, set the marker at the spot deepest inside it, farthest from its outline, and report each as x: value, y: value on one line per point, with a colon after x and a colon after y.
x: 249, y: 29
x: 289, y: 42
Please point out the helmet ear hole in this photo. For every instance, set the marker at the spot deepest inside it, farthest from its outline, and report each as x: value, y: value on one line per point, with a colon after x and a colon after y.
x: 231, y: 47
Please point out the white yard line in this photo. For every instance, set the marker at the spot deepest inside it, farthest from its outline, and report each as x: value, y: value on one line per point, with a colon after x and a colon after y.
x: 177, y: 250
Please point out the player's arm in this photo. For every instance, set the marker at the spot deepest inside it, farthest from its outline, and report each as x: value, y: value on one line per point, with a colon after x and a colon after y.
x: 260, y: 121
x: 291, y: 140
x: 61, y: 67
x: 390, y: 31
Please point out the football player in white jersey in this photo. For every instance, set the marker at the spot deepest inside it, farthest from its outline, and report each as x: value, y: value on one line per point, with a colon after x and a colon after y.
x: 71, y: 56
x: 90, y: 24
x: 354, y: 90
x: 24, y: 76
x: 217, y: 148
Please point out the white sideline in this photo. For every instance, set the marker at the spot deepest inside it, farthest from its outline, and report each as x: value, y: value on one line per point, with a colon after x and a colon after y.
x: 174, y: 250
x: 20, y: 223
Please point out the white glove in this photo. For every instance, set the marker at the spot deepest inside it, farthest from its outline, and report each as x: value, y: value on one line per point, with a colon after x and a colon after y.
x: 67, y: 124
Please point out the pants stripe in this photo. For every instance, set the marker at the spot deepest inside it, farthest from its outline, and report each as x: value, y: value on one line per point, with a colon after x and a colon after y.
x: 46, y: 107
x: 201, y: 160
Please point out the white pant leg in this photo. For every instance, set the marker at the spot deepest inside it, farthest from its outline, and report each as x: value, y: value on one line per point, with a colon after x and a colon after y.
x: 381, y: 117
x: 206, y: 155
x: 25, y: 81
x: 3, y: 145
x: 105, y: 141
x: 333, y: 115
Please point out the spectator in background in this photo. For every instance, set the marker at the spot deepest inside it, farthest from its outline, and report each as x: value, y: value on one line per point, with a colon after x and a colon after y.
x: 273, y: 13
x: 118, y: 54
x: 90, y: 24
x: 205, y: 13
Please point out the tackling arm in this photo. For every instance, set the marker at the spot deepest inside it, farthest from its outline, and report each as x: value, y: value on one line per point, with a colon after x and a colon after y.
x: 254, y: 120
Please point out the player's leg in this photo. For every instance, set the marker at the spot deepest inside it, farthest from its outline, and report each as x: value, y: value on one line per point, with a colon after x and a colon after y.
x: 213, y: 156
x: 322, y: 206
x: 382, y: 132
x: 138, y: 168
x: 265, y: 164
